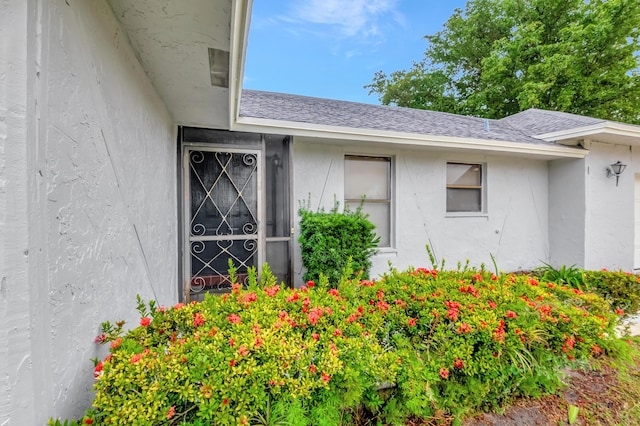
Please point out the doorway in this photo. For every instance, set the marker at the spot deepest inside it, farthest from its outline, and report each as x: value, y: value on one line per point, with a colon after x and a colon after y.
x: 236, y: 208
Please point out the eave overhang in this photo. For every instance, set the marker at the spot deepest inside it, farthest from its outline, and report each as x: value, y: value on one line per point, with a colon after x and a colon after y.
x: 606, y: 131
x: 408, y: 140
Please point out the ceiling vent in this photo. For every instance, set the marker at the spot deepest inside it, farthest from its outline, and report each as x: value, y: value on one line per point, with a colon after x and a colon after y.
x: 219, y: 67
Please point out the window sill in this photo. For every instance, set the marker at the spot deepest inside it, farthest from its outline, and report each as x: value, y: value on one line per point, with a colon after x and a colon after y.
x: 463, y: 214
x: 386, y: 251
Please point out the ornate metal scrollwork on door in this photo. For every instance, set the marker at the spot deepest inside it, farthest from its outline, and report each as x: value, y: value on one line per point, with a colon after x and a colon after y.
x: 223, y: 211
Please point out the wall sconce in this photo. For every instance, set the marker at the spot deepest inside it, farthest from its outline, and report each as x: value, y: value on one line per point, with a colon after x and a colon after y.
x: 616, y: 170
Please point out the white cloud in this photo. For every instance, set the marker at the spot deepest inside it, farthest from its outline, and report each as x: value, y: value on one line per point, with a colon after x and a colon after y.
x: 350, y: 18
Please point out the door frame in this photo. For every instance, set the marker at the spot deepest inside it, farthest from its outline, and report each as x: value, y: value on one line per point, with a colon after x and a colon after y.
x: 208, y: 143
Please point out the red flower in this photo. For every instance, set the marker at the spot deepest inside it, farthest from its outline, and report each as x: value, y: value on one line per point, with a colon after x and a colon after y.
x: 225, y: 401
x: 295, y: 296
x: 179, y: 306
x: 411, y: 322
x: 458, y: 363
x: 235, y: 288
x: 135, y: 358
x: 444, y: 373
x: 338, y: 332
x: 234, y: 318
x: 97, y: 371
x: 464, y: 328
x: 326, y: 377
x: 311, y: 284
x: 171, y: 412
x: 477, y: 277
x: 88, y: 421
x: 198, y: 319
x: 452, y: 314
x: 232, y: 342
x: 315, y: 336
x: 116, y: 343
x: 619, y: 312
x: 510, y: 314
x: 145, y: 321
x: 492, y: 305
x: 312, y: 368
x: 232, y: 363
x: 272, y: 291
x: 243, y: 351
x: 383, y: 306
x: 101, y: 338
x: 247, y: 298
x: 333, y: 292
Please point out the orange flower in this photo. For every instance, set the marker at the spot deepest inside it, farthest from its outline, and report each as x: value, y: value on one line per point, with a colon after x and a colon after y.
x: 444, y: 373
x: 198, y: 319
x: 171, y: 412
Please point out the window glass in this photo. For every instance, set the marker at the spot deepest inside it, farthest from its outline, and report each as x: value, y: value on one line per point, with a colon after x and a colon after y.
x: 370, y: 177
x: 464, y: 187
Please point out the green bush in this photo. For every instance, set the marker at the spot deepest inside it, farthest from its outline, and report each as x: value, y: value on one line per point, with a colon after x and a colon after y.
x: 452, y: 341
x: 569, y: 275
x: 621, y: 288
x: 329, y: 240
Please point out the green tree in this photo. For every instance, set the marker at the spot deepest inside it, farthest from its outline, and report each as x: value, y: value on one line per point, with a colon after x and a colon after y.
x: 499, y: 57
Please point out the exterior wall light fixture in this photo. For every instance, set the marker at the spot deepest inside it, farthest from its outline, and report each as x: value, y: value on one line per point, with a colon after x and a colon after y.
x: 616, y: 170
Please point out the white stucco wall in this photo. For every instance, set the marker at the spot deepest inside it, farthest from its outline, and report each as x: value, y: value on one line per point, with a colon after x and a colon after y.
x: 514, y: 228
x: 609, y: 219
x: 591, y: 220
x: 88, y: 213
x: 567, y: 212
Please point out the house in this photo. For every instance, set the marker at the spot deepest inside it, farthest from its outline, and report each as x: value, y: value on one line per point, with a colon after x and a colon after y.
x: 131, y: 162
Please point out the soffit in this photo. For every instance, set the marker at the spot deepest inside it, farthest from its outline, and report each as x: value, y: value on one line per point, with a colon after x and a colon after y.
x: 172, y: 39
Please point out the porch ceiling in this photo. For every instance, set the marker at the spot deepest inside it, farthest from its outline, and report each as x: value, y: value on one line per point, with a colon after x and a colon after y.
x: 172, y: 39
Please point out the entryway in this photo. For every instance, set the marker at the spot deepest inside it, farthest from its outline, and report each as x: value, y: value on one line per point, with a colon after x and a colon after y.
x: 236, y: 207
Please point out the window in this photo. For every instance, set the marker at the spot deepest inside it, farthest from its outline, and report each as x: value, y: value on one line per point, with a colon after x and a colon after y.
x: 370, y: 177
x: 464, y: 187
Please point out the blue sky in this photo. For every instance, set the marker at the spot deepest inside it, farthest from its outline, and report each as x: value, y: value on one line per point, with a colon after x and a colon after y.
x: 332, y: 48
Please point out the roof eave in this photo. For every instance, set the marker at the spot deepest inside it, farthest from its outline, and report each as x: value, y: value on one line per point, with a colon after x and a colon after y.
x: 240, y: 22
x: 261, y: 125
x: 607, y: 128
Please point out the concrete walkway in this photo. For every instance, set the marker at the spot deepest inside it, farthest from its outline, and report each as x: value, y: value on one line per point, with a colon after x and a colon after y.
x: 634, y: 324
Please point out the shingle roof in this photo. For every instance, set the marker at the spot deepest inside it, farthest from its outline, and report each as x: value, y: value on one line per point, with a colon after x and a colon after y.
x: 537, y: 122
x: 519, y: 127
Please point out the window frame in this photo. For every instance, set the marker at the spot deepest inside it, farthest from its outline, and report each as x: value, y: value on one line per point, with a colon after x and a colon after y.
x: 482, y: 187
x: 390, y: 202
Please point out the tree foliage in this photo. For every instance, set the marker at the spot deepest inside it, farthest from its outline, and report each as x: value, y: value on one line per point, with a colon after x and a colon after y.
x: 499, y: 57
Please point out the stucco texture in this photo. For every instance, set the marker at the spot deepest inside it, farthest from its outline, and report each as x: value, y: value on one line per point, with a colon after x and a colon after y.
x: 98, y: 222
x: 514, y: 227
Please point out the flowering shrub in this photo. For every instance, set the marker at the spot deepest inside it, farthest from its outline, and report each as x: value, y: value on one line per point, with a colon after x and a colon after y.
x: 621, y: 288
x: 449, y: 340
